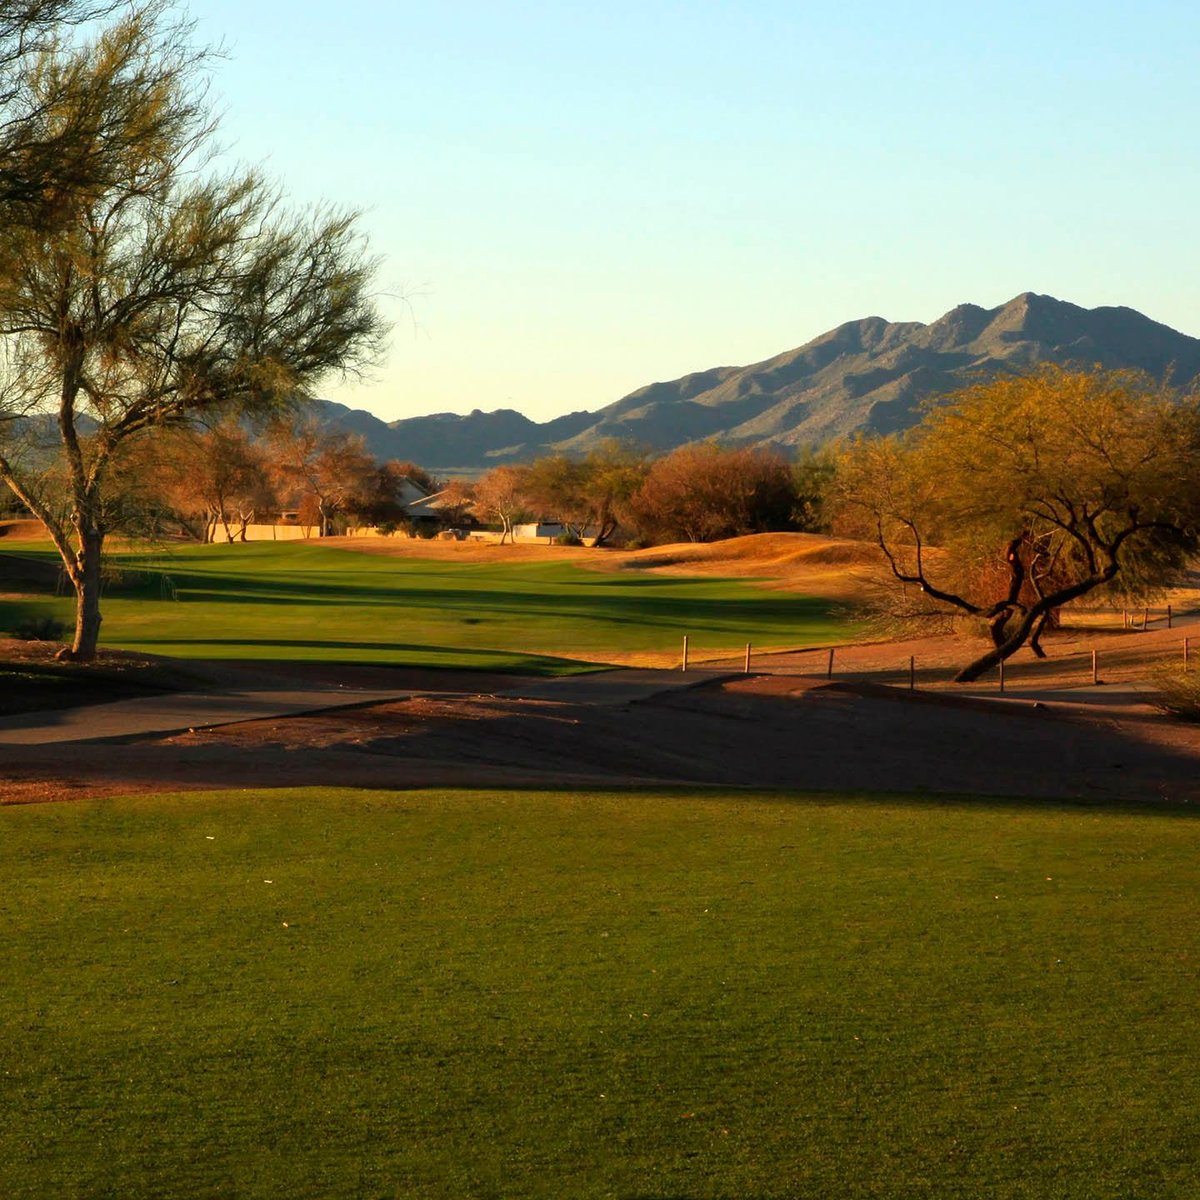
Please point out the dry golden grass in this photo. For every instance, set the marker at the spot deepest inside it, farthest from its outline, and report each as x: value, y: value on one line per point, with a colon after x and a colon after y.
x: 834, y: 568
x: 801, y: 562
x: 475, y: 550
x: 22, y: 531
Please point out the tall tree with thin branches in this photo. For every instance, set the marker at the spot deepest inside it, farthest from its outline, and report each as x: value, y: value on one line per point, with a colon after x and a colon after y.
x: 74, y: 129
x: 319, y: 468
x: 158, y: 291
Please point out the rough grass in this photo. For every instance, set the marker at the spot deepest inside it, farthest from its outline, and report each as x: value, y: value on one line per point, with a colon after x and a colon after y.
x: 303, y: 601
x: 1178, y: 692
x: 326, y: 994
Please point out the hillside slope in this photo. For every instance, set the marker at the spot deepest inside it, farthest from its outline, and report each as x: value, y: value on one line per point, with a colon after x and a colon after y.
x: 865, y: 375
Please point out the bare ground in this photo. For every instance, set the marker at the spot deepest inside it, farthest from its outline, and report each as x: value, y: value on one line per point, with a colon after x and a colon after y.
x: 786, y: 726
x: 770, y: 731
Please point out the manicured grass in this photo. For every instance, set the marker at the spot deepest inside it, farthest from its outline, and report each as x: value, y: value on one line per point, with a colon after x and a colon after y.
x: 268, y: 601
x: 326, y: 994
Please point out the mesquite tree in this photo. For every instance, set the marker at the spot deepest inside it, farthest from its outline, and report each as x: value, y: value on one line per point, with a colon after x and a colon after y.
x: 213, y: 477
x: 500, y: 495
x: 1020, y: 495
x: 318, y: 468
x: 161, y: 291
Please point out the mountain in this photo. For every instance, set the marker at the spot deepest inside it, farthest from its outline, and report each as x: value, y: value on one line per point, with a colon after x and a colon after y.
x: 865, y: 375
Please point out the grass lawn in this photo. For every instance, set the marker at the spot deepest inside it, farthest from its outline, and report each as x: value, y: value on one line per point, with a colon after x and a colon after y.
x: 326, y: 994
x: 289, y: 601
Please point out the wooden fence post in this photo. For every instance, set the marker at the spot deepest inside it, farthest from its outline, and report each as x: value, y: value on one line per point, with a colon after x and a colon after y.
x: 1168, y: 616
x: 747, y: 658
x: 1095, y: 675
x: 829, y: 666
x: 912, y: 673
x: 685, y: 637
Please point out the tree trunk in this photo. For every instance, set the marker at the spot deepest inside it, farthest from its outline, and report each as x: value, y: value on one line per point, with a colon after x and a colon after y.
x: 997, y: 626
x: 607, y: 529
x: 992, y: 658
x: 1033, y: 618
x: 87, y: 595
x: 1035, y: 638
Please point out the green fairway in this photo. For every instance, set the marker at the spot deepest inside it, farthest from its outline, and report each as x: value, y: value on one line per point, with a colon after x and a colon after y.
x: 324, y: 994
x: 289, y: 601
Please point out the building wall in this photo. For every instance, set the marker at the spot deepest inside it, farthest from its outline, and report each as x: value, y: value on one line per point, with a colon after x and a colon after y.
x: 265, y: 533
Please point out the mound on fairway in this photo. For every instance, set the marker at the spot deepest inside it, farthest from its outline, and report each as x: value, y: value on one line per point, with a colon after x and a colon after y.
x: 322, y: 994
x: 802, y: 562
x: 22, y: 530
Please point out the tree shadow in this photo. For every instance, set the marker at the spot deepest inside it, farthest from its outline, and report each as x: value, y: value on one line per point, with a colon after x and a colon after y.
x: 515, y: 661
x: 770, y: 614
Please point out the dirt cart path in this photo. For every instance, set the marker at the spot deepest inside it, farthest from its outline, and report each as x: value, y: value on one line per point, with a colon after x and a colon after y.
x: 189, y: 711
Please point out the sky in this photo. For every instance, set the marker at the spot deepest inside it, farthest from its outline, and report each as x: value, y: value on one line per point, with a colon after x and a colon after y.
x: 573, y: 200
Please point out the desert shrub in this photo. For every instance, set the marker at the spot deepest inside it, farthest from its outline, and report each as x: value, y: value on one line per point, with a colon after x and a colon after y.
x: 568, y: 539
x: 39, y: 628
x: 703, y: 492
x: 1178, y: 693
x: 127, y: 581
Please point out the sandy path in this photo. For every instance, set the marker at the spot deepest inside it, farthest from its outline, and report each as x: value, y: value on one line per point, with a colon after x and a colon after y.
x: 775, y: 732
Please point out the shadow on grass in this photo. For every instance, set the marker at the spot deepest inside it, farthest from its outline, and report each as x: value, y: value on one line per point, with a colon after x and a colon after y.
x: 677, y: 612
x: 814, y: 748
x: 524, y: 661
x: 678, y: 793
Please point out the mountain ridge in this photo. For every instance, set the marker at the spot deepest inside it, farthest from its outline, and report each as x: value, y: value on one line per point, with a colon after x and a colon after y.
x: 869, y: 374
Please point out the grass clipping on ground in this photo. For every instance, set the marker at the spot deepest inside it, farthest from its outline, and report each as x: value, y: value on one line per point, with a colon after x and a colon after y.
x: 458, y: 994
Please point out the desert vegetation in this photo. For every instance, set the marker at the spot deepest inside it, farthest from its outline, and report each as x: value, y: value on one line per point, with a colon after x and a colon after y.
x: 148, y: 290
x: 1016, y: 497
x: 345, y: 867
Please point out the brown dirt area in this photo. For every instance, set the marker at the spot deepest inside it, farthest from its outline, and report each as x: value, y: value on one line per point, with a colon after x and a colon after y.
x: 784, y: 727
x: 783, y: 730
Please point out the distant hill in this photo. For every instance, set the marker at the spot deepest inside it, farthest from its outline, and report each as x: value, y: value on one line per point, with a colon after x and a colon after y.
x: 864, y: 375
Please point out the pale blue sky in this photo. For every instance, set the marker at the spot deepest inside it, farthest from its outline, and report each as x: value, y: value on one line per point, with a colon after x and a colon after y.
x: 579, y: 199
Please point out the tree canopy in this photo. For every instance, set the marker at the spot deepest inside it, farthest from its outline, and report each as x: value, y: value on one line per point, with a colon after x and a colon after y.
x: 704, y: 491
x: 1017, y: 496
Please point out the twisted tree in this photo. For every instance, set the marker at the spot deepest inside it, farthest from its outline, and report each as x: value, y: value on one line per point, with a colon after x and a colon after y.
x: 1021, y: 495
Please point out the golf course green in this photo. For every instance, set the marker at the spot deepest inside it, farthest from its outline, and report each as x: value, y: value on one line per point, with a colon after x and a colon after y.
x: 295, y: 601
x: 447, y: 994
